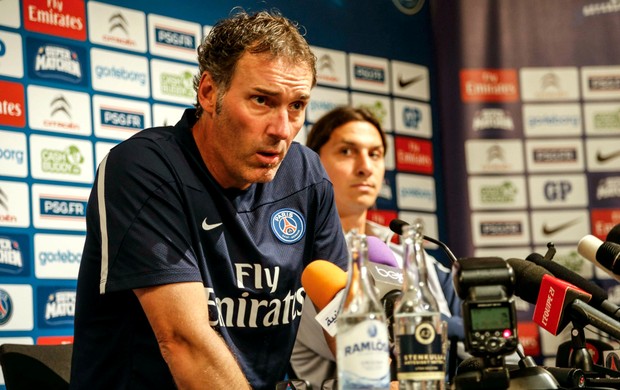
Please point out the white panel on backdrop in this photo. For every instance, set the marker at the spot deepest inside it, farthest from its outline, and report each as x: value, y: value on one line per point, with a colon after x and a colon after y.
x: 164, y: 115
x: 17, y: 307
x: 497, y: 192
x: 11, y: 58
x: 324, y: 100
x: 13, y: 154
x: 119, y: 119
x: 368, y: 73
x: 59, y: 110
x: 173, y: 82
x: 101, y: 150
x: 115, y: 26
x: 57, y: 256
x: 504, y: 252
x: 174, y: 38
x: 600, y: 82
x: 552, y: 120
x: 10, y: 15
x: 559, y: 155
x: 602, y: 119
x: 548, y: 84
x: 380, y: 106
x: 206, y: 29
x: 554, y: 191
x: 413, y: 118
x: 125, y: 74
x: 411, y: 80
x: 14, y: 207
x: 416, y: 192
x: 564, y: 227
x: 500, y: 228
x: 331, y: 67
x: 603, y: 154
x: 59, y: 207
x: 494, y: 156
x: 61, y: 159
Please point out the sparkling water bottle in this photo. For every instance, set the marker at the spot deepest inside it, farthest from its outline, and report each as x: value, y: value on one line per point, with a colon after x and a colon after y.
x: 362, y: 340
x: 419, y: 332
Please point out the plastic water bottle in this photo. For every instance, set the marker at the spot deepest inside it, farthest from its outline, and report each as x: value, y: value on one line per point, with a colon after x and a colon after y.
x: 419, y: 332
x: 362, y: 341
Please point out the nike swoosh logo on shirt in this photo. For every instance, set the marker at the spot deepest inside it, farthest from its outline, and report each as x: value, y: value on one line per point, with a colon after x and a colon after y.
x: 208, y: 227
x: 547, y: 231
x: 600, y: 157
x: 405, y: 83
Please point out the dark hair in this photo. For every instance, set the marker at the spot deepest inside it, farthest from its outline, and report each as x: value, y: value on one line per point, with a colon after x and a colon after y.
x: 325, y: 126
x: 262, y: 32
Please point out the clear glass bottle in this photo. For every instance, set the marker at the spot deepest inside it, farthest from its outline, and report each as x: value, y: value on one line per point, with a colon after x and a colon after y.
x: 362, y: 342
x: 419, y: 332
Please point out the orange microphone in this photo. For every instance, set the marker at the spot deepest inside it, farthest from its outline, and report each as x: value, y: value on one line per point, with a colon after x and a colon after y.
x: 322, y: 280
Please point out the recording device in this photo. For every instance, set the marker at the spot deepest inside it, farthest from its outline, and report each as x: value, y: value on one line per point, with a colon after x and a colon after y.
x: 604, y: 254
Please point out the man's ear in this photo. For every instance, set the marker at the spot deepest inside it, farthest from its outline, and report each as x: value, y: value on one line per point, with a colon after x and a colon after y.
x: 207, y: 93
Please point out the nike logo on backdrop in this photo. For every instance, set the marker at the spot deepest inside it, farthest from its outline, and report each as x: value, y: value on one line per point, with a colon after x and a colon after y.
x: 405, y: 83
x: 208, y: 227
x: 547, y: 231
x: 600, y: 157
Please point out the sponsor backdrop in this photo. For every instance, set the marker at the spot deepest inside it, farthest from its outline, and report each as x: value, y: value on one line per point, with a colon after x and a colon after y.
x: 530, y: 119
x: 77, y: 77
x: 530, y: 123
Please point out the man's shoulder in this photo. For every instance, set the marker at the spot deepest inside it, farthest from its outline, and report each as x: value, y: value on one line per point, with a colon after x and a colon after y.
x: 303, y: 163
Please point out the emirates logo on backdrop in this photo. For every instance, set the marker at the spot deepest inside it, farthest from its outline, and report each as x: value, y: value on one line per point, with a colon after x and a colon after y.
x: 56, y: 17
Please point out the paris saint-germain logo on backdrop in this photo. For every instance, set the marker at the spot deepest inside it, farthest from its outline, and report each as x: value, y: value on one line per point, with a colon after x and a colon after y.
x: 288, y: 225
x: 6, y: 307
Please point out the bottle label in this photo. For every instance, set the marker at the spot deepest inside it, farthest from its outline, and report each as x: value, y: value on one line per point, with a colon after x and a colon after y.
x: 363, y: 356
x: 420, y: 355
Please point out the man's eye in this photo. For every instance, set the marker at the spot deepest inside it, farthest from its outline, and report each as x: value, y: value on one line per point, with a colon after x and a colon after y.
x: 297, y: 106
x: 260, y: 99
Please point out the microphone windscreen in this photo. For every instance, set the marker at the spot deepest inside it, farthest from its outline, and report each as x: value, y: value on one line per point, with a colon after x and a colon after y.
x: 322, y: 280
x: 396, y: 225
x: 379, y: 252
x: 528, y: 277
x: 614, y: 234
x: 559, y: 271
x: 588, y: 246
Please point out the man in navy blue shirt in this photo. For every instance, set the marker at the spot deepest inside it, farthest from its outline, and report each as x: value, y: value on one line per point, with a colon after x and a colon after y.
x: 197, y: 234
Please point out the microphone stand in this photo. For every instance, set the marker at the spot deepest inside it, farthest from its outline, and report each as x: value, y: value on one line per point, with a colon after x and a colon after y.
x: 582, y: 359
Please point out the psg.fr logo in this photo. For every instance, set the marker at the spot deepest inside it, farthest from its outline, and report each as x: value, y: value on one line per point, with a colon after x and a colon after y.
x: 288, y: 225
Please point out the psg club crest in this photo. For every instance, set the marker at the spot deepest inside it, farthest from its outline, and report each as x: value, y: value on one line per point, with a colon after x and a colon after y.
x: 288, y: 225
x: 6, y: 307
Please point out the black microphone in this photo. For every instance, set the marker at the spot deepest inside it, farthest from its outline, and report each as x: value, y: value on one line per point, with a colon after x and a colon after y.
x: 599, y: 296
x: 603, y: 254
x: 528, y: 276
x: 396, y: 225
x: 575, y: 309
x: 614, y: 234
